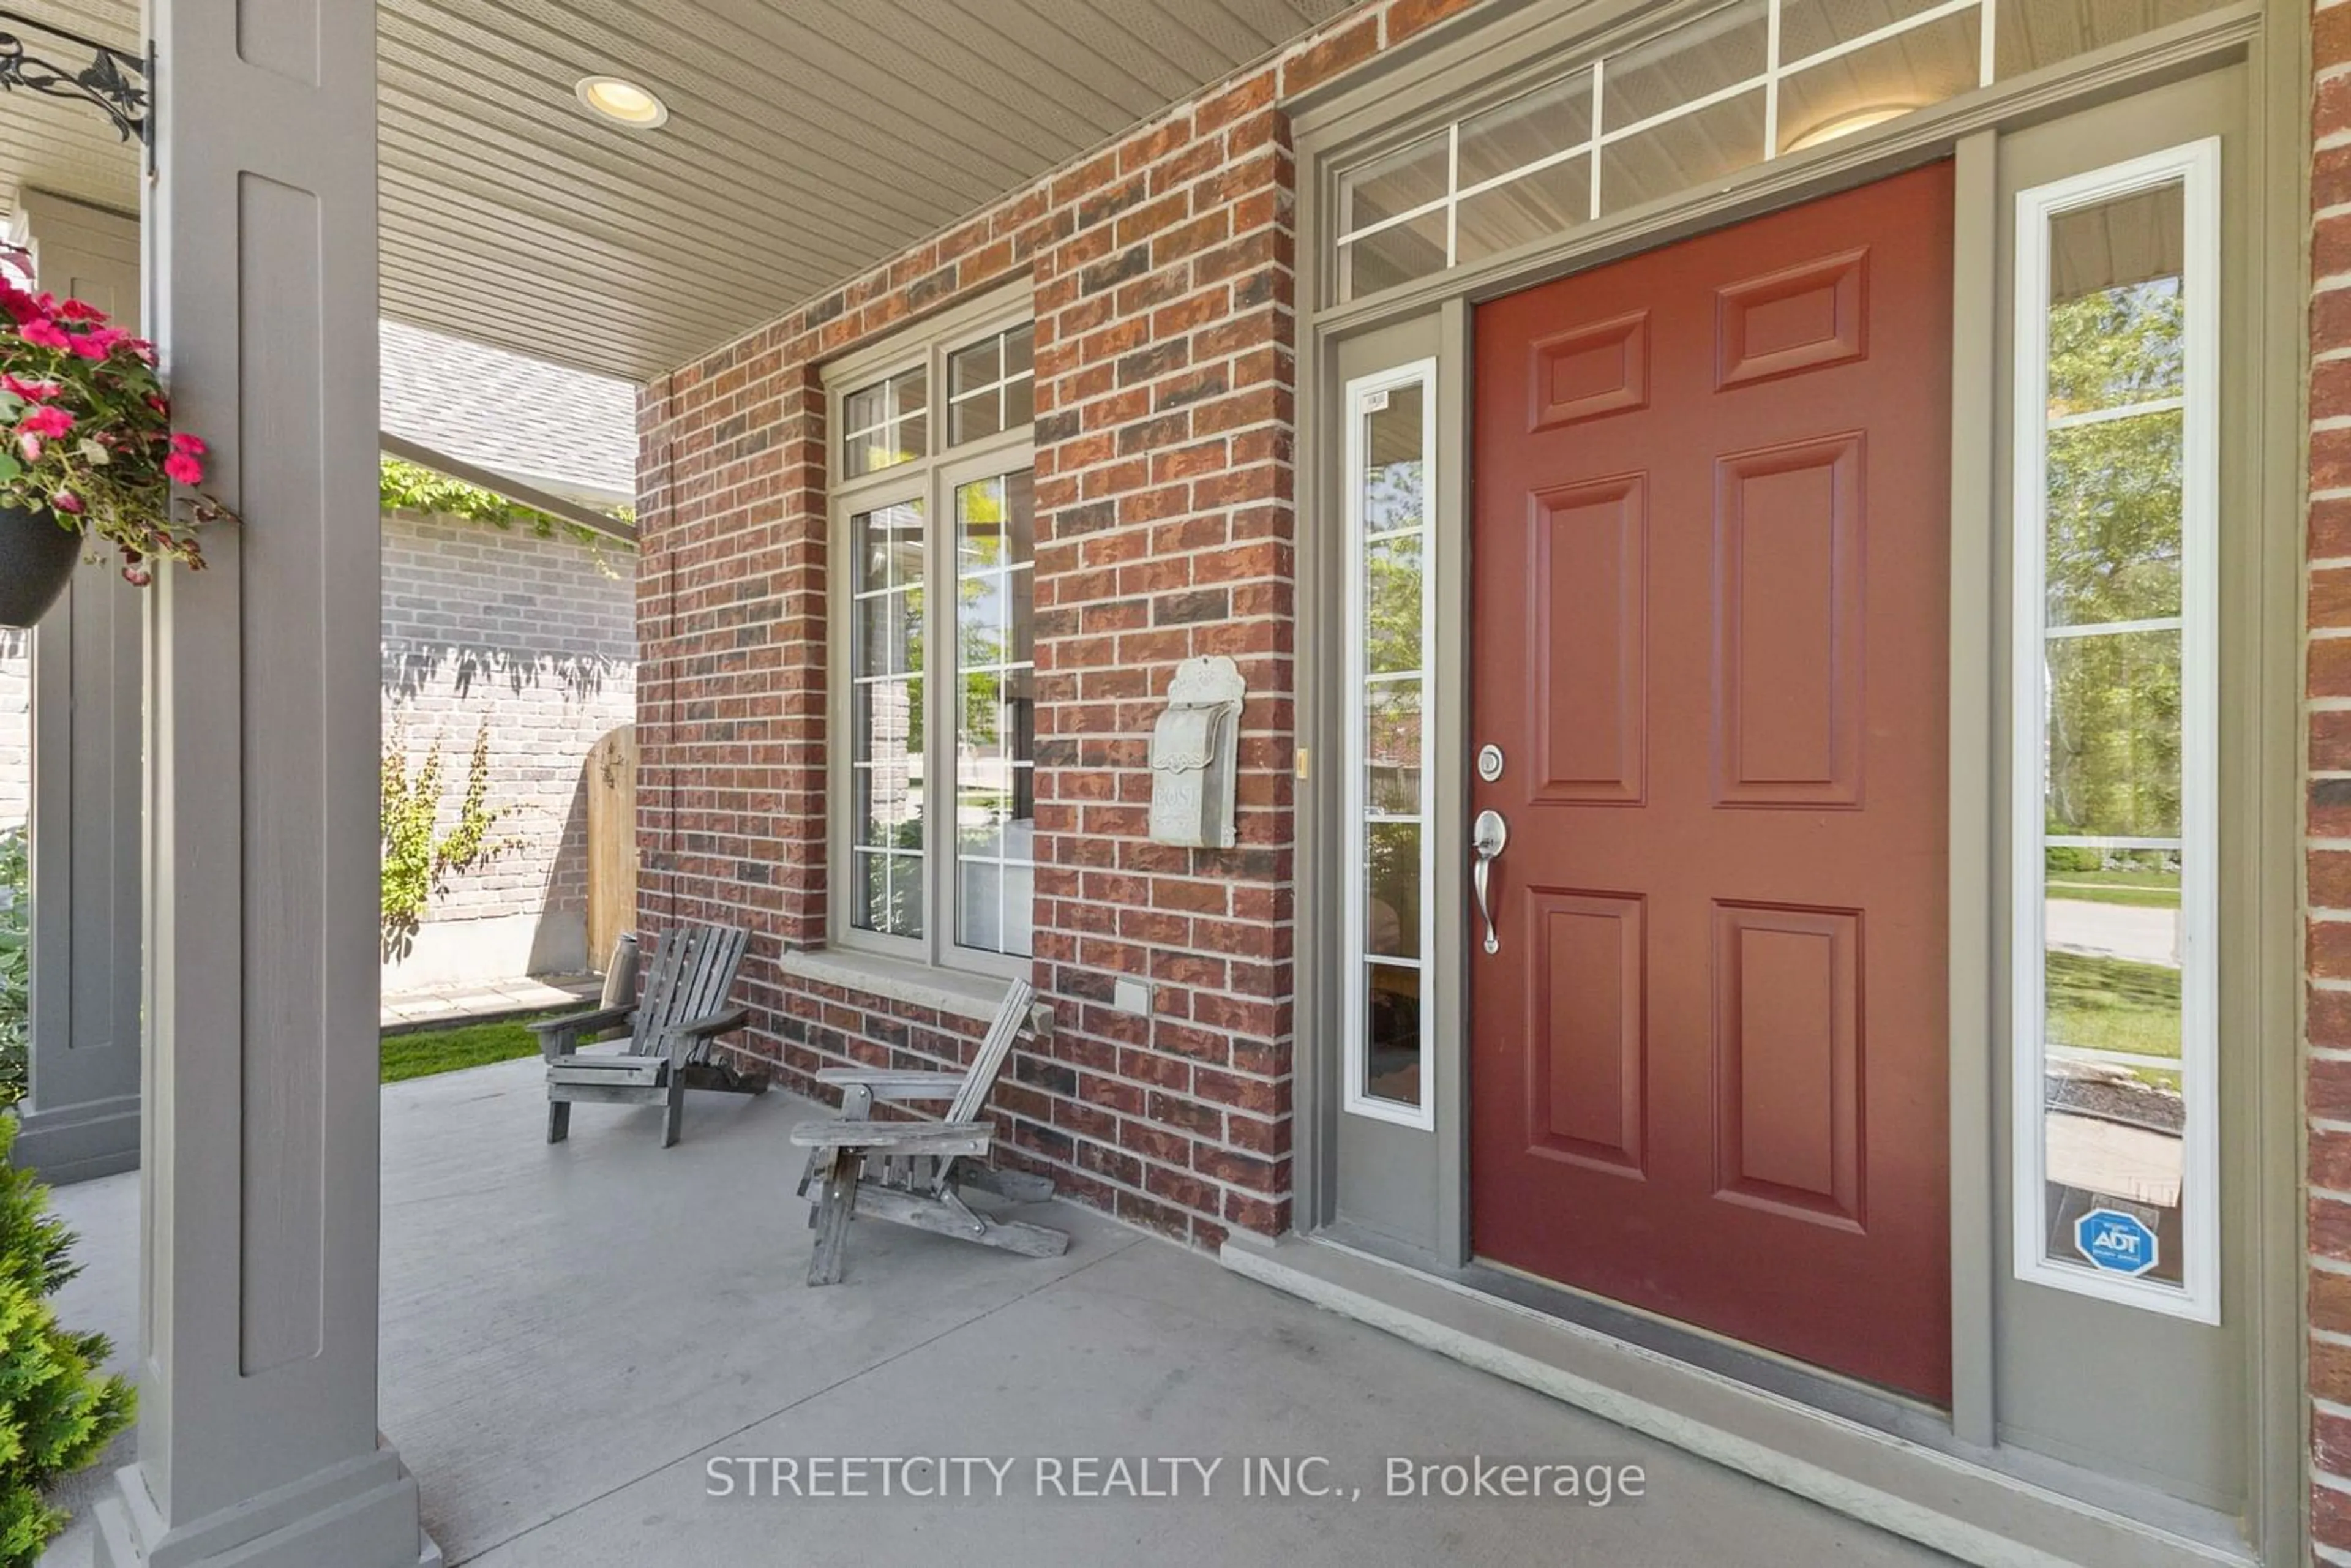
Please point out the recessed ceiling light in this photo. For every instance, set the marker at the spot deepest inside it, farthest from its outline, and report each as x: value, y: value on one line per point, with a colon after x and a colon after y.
x: 624, y: 102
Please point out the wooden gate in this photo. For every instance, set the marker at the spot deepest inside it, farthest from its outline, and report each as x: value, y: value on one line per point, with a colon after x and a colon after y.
x: 611, y: 841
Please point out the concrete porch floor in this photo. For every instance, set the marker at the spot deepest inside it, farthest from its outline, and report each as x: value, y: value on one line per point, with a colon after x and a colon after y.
x: 572, y: 1333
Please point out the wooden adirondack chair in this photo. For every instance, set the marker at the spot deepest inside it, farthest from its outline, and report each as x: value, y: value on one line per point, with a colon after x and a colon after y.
x: 909, y: 1172
x: 683, y: 1012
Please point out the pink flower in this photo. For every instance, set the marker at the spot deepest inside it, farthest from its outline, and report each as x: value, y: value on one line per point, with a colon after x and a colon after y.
x: 66, y: 501
x: 30, y: 445
x: 97, y: 343
x: 20, y: 306
x: 31, y: 392
x: 80, y: 310
x: 46, y: 420
x: 193, y: 445
x: 144, y: 349
x: 44, y: 334
x: 183, y: 469
x: 159, y: 404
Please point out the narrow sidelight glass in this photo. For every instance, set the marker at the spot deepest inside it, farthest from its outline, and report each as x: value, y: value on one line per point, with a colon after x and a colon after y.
x: 2115, y: 813
x: 1391, y: 588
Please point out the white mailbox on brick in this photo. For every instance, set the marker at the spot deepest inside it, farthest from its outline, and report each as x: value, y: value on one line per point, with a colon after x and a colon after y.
x: 1191, y: 755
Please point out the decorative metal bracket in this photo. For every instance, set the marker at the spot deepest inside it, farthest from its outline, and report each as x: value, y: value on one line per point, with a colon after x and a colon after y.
x: 115, y: 82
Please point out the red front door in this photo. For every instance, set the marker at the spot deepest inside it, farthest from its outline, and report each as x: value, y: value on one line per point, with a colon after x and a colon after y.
x: 1710, y: 578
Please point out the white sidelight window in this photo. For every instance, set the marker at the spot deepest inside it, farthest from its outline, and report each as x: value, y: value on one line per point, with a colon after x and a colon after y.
x: 1391, y: 620
x: 2114, y: 809
x: 934, y: 614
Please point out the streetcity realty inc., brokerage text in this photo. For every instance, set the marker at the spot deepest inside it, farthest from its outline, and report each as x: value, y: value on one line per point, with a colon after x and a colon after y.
x: 1107, y: 1477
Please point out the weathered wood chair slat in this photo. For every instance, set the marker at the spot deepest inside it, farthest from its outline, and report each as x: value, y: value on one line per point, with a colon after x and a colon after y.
x: 910, y: 1173
x: 672, y: 1026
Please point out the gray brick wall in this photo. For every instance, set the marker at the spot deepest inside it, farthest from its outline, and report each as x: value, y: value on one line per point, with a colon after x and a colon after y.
x: 536, y: 636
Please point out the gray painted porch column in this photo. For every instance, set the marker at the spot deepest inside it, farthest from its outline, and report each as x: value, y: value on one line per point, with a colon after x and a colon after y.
x: 81, y: 1118
x: 257, y: 1442
x: 80, y: 1114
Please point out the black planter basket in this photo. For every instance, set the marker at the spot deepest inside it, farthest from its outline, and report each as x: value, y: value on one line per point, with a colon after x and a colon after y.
x: 37, y: 561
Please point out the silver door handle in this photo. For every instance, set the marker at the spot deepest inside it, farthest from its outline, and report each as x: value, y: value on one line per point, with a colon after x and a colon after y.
x: 1491, y: 837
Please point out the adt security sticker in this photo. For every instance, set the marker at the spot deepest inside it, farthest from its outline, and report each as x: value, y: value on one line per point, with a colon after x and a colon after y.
x: 2114, y: 1241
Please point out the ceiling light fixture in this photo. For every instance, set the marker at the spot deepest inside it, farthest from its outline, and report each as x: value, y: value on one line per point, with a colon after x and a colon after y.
x: 624, y: 102
x: 1849, y: 122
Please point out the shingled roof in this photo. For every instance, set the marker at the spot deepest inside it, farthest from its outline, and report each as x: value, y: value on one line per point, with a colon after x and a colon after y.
x: 560, y: 430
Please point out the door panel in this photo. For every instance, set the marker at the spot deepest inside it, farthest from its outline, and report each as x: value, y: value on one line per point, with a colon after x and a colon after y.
x: 1710, y: 551
x: 1588, y: 591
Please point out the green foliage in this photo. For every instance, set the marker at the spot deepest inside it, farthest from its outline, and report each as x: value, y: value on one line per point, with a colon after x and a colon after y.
x: 403, y: 487
x: 15, y: 960
x: 58, y: 1411
x: 2072, y: 857
x: 419, y: 859
x: 428, y: 1052
x: 2115, y: 488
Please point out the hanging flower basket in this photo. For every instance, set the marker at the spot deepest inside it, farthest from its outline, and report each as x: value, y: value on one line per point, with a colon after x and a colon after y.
x: 37, y: 561
x: 87, y: 454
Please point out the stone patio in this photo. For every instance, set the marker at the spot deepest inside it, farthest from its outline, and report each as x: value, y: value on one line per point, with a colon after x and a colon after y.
x: 571, y: 1333
x: 476, y: 1001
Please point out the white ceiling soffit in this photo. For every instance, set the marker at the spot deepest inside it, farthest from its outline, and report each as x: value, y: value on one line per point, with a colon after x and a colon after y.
x: 807, y: 140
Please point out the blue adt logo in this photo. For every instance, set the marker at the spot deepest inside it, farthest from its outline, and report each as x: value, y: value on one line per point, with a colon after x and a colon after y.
x: 2115, y: 1241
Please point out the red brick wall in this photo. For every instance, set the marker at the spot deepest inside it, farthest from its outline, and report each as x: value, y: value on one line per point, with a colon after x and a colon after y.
x: 1164, y: 274
x: 2328, y: 823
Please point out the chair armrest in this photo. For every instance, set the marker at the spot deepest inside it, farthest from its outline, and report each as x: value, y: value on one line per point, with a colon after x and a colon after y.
x: 691, y: 1040
x: 898, y: 1137
x: 715, y: 1023
x: 555, y: 1035
x: 890, y: 1085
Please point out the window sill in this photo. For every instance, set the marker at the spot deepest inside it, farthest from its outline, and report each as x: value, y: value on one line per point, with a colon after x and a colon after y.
x: 918, y: 984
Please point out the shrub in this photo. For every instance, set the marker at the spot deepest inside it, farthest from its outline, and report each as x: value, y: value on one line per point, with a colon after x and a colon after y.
x: 58, y: 1411
x: 2074, y: 857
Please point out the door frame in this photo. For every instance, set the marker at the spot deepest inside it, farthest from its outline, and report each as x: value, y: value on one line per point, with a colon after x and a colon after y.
x: 1394, y: 95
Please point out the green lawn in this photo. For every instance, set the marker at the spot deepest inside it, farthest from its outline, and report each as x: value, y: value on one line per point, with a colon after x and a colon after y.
x: 2144, y: 889
x: 428, y: 1052
x: 2094, y: 892
x: 2113, y: 1004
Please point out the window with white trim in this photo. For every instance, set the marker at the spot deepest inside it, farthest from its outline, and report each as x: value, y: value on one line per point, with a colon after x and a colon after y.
x: 2114, y: 814
x: 1391, y: 625
x: 1731, y: 86
x: 936, y: 526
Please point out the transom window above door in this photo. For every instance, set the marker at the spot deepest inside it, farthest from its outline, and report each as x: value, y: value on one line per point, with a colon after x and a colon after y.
x: 1718, y: 92
x: 932, y: 823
